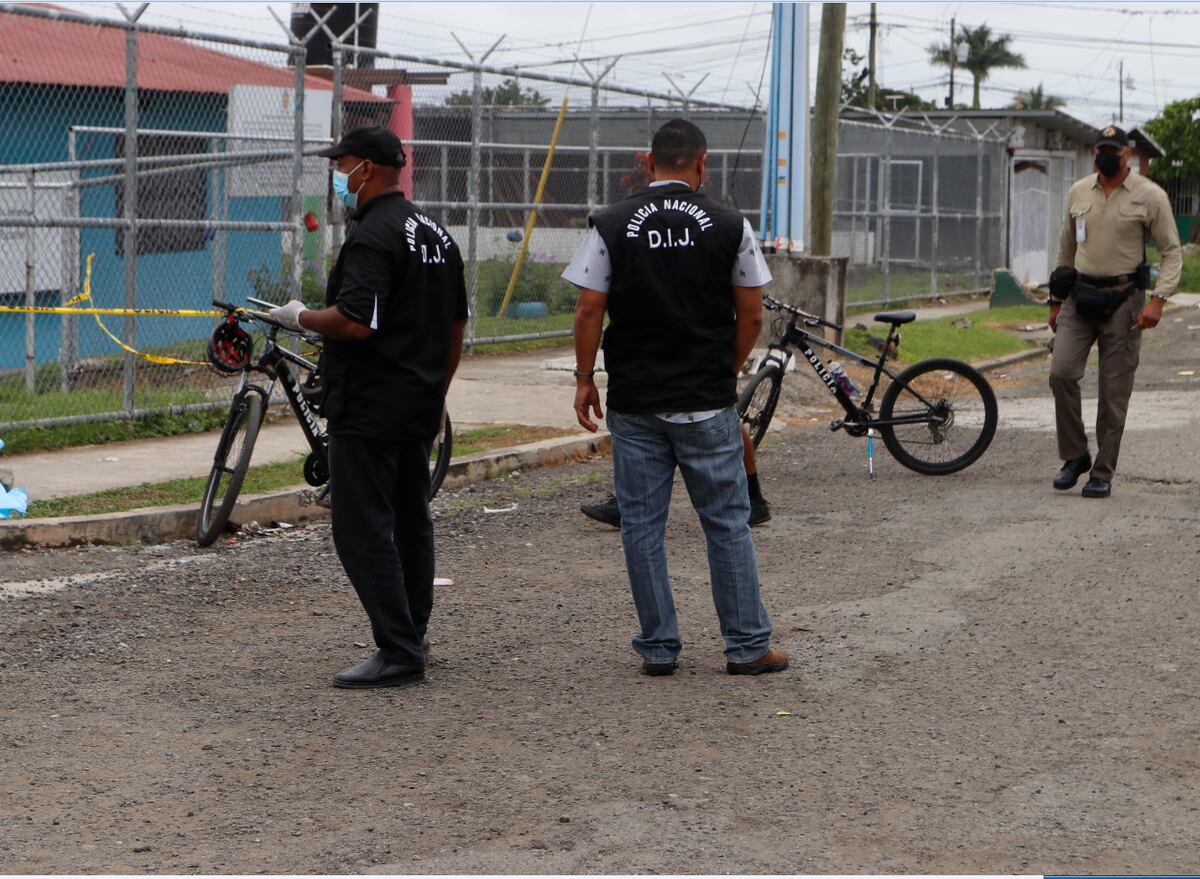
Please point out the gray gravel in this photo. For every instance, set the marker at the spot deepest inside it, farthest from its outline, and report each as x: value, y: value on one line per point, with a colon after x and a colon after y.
x: 987, y: 676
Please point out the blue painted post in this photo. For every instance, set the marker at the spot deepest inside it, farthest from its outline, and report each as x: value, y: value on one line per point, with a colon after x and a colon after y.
x: 785, y: 153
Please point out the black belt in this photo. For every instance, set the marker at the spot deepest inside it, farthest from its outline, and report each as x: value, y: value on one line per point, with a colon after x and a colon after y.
x: 1108, y: 280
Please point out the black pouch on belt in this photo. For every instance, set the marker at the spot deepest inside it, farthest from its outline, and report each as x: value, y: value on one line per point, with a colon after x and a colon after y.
x: 1100, y: 303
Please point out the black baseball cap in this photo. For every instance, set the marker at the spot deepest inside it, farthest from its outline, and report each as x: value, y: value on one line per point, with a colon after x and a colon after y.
x: 1113, y: 137
x: 372, y: 142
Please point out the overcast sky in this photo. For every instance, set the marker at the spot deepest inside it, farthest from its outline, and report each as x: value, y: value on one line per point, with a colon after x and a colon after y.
x: 1073, y: 49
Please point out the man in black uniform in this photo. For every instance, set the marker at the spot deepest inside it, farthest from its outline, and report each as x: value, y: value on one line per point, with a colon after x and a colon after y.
x: 396, y: 307
x: 678, y: 275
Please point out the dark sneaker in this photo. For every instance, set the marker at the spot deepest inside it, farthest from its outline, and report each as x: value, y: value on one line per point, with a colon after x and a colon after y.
x: 1071, y: 471
x: 1097, y: 487
x: 773, y: 660
x: 759, y: 513
x: 605, y: 512
x: 659, y: 669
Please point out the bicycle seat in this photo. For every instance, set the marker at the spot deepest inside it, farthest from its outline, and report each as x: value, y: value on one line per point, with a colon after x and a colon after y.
x: 896, y: 318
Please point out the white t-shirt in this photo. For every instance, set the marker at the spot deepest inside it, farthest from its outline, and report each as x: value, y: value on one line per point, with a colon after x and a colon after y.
x: 591, y: 267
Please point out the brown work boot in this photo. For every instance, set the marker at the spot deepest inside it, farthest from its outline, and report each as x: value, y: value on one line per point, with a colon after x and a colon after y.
x: 773, y: 660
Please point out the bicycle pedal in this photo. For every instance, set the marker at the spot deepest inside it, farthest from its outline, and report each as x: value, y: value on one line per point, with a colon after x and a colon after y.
x: 837, y: 424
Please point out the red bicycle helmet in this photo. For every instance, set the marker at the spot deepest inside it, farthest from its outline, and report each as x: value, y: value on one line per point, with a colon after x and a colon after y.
x: 230, y: 348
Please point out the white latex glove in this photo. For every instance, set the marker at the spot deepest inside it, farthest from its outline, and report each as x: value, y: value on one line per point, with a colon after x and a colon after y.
x: 288, y: 315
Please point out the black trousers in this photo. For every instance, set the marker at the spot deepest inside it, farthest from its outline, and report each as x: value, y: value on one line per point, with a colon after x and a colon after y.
x: 384, y: 536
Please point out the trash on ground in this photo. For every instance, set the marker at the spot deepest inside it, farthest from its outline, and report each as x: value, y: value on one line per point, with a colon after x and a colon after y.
x: 509, y: 509
x: 13, y: 502
x: 1186, y: 372
x: 783, y: 714
x: 108, y: 460
x: 442, y: 581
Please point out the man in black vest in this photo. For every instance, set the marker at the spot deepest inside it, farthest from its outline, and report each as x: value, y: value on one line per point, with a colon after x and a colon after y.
x: 396, y: 307
x: 681, y: 279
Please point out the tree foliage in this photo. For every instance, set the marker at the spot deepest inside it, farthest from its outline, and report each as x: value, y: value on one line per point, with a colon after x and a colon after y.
x: 1037, y: 99
x: 854, y: 89
x: 508, y: 94
x: 1177, y: 131
x: 986, y: 52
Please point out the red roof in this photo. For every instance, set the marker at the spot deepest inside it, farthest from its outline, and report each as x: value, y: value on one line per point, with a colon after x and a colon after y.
x: 46, y: 51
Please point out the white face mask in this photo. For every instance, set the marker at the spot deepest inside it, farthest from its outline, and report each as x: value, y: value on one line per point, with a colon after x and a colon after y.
x: 341, y: 186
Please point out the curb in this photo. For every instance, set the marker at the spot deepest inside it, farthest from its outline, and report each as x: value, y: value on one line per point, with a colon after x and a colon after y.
x: 156, y: 524
x: 1008, y: 359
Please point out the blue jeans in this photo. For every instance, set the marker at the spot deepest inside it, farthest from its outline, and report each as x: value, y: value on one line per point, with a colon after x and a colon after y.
x: 646, y: 451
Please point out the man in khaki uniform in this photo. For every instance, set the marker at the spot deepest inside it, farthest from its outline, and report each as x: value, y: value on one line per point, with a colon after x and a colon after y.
x: 1110, y: 214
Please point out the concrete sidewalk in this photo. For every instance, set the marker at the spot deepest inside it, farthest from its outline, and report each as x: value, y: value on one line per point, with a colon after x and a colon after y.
x: 534, y: 388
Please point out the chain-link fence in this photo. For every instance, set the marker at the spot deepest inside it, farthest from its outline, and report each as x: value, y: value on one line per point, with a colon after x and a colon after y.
x: 919, y: 211
x: 183, y: 162
x: 154, y: 170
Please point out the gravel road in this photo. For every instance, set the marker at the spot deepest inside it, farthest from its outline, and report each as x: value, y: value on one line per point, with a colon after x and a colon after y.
x: 987, y: 676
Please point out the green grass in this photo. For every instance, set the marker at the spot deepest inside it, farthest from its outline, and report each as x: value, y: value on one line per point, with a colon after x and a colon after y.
x: 261, y: 478
x: 159, y: 494
x: 1189, y: 280
x: 42, y: 439
x: 988, y: 336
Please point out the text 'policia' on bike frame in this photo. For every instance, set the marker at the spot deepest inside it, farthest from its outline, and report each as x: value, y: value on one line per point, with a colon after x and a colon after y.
x: 924, y: 414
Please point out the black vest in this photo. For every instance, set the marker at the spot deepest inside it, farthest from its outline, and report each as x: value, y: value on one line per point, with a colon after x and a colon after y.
x: 670, y: 337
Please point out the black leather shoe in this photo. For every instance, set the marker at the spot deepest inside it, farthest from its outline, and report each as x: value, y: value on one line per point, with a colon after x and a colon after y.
x: 659, y: 669
x: 1097, y: 487
x: 379, y: 672
x: 759, y: 513
x: 1071, y: 471
x: 605, y: 512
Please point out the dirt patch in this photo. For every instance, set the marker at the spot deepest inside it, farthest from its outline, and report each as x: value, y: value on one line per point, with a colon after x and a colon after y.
x: 987, y: 676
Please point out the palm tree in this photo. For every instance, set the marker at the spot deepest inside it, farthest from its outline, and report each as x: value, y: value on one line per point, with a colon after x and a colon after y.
x: 986, y: 52
x: 1037, y: 99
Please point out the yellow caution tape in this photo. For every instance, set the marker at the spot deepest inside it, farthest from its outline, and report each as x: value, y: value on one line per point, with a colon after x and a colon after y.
x: 86, y: 296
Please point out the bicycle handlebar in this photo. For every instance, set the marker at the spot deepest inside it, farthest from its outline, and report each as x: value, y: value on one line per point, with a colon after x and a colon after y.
x: 263, y: 317
x: 810, y: 319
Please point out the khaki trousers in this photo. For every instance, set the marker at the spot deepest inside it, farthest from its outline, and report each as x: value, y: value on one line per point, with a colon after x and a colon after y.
x: 1120, y: 345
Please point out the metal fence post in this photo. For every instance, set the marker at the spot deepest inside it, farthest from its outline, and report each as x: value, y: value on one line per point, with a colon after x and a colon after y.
x: 444, y: 181
x: 593, y: 144
x: 885, y: 192
x: 297, y: 199
x: 67, y: 345
x: 30, y: 294
x: 594, y: 134
x: 473, y: 201
x: 129, y: 403
x: 978, y: 210
x: 337, y: 223
x: 933, y: 238
x: 473, y: 174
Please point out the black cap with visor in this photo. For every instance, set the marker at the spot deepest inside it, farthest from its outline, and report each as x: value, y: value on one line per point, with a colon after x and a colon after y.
x: 371, y: 142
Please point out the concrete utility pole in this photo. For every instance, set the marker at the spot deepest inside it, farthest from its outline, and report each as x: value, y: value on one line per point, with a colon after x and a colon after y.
x: 825, y: 125
x: 953, y: 57
x: 1121, y: 90
x: 871, y: 62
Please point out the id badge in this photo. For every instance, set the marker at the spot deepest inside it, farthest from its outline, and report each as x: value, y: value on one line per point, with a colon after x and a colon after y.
x: 1080, y: 230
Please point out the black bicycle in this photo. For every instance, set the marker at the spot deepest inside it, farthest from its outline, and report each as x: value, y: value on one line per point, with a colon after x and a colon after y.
x: 936, y: 417
x: 231, y: 352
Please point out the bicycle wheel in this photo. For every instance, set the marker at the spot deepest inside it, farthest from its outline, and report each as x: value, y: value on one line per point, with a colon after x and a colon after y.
x: 229, y: 466
x: 442, y: 447
x: 757, y: 401
x: 958, y: 409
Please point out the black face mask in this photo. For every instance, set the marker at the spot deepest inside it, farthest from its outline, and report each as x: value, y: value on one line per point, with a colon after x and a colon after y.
x: 1108, y: 164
